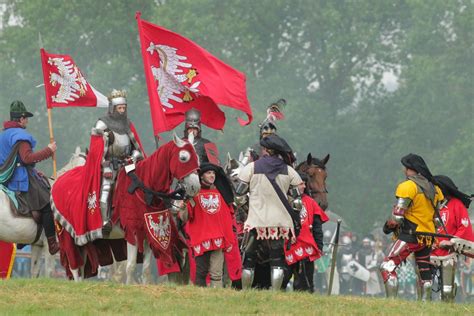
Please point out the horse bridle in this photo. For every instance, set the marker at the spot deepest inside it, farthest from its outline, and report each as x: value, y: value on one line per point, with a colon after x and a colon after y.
x: 311, y: 191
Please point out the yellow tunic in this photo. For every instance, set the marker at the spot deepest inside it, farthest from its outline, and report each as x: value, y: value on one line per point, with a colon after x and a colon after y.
x: 420, y: 211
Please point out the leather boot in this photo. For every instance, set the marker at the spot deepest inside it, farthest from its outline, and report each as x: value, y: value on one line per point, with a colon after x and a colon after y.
x: 53, y: 245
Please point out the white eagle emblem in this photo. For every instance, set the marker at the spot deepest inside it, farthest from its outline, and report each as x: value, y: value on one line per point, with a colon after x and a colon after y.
x: 309, y: 250
x: 197, y: 249
x: 171, y: 77
x: 206, y: 244
x: 218, y: 242
x: 72, y: 83
x: 92, y: 201
x: 160, y: 230
x: 465, y: 222
x: 209, y: 203
x: 289, y: 258
x: 299, y: 252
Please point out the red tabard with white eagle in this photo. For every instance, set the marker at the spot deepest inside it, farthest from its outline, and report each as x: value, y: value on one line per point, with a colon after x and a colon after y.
x: 210, y: 223
x: 305, y: 245
x: 457, y: 222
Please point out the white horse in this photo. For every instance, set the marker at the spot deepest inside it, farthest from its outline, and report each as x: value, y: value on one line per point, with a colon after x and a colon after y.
x: 24, y: 230
x: 182, y: 153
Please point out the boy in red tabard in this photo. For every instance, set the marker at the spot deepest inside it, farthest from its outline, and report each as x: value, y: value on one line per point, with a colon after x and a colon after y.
x: 456, y: 220
x: 210, y: 225
x: 308, y: 247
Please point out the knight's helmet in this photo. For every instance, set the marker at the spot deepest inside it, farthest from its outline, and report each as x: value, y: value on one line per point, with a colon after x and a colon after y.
x: 117, y: 97
x: 274, y: 113
x: 192, y: 120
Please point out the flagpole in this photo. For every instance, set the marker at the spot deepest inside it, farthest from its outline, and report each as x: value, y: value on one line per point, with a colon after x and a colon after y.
x: 51, y: 139
x: 50, y: 118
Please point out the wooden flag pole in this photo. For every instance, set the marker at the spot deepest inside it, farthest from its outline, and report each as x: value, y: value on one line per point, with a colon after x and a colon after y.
x: 50, y: 119
x: 51, y: 139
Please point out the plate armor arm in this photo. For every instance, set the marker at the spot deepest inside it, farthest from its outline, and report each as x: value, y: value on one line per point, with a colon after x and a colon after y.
x: 295, y: 198
x: 241, y: 190
x: 101, y: 128
x: 399, y: 209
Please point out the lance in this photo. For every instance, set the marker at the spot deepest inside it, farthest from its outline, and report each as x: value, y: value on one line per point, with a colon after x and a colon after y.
x: 334, y: 256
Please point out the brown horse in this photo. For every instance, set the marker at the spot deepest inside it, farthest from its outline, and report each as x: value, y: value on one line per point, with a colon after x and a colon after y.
x: 315, y: 168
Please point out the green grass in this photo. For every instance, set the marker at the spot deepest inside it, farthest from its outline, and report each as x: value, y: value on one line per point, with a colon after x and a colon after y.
x: 50, y: 296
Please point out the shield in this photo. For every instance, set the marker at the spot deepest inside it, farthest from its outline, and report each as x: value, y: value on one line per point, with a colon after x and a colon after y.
x: 159, y: 228
x: 357, y: 271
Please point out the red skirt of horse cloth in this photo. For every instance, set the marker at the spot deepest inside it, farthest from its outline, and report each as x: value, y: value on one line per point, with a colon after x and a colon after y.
x: 75, y: 196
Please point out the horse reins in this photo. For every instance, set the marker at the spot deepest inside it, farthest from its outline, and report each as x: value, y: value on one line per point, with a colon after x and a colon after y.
x: 149, y: 194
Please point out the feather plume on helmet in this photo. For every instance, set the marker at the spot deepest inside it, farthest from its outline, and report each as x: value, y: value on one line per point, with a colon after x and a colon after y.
x: 274, y: 113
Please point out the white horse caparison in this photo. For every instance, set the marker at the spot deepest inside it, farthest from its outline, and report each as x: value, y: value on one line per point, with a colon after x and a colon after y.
x: 23, y: 230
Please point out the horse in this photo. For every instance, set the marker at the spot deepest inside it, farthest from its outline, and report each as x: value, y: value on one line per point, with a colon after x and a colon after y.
x: 24, y: 230
x: 315, y: 168
x: 154, y: 175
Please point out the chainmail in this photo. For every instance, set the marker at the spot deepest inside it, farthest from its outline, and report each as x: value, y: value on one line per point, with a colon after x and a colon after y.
x: 117, y: 123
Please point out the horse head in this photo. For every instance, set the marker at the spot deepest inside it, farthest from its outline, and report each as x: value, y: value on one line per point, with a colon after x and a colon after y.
x: 184, y: 164
x: 315, y: 168
x: 77, y: 159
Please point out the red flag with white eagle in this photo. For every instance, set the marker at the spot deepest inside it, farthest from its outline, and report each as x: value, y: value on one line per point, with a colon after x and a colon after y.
x: 181, y: 75
x: 65, y: 84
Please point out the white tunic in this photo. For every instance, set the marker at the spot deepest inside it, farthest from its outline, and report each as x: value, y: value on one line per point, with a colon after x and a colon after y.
x: 267, y: 214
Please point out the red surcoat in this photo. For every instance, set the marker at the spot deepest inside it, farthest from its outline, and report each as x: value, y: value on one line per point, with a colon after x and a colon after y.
x: 210, y: 223
x: 457, y: 222
x: 305, y: 245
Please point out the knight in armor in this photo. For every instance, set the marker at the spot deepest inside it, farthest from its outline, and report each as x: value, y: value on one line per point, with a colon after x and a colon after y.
x: 345, y: 256
x: 418, y: 199
x: 272, y: 218
x: 205, y: 149
x: 268, y: 126
x: 121, y: 147
x: 18, y: 176
x: 300, y: 256
x: 209, y: 226
x: 371, y: 259
x: 457, y: 223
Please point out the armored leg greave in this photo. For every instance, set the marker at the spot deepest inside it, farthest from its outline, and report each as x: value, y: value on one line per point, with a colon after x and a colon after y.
x: 387, y: 269
x: 425, y: 290
x: 105, y: 199
x: 449, y: 287
x: 247, y: 278
x: 278, y: 273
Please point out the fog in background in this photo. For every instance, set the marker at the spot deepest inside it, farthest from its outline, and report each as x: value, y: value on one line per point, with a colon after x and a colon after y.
x: 366, y: 81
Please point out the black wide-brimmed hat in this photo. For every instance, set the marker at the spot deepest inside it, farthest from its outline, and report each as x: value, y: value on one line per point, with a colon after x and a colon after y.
x: 449, y: 188
x: 415, y: 162
x: 279, y: 145
x: 222, y: 183
x: 18, y: 109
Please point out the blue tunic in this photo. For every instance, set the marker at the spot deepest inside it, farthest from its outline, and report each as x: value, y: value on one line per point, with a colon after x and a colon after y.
x: 8, y: 139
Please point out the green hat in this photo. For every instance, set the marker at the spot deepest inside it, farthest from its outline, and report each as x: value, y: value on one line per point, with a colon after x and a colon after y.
x: 18, y: 109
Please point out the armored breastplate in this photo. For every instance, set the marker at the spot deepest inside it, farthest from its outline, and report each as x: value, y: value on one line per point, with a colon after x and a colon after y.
x: 120, y: 147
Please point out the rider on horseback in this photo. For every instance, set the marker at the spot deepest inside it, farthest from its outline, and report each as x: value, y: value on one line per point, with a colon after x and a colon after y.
x: 23, y: 182
x: 205, y: 149
x: 120, y: 148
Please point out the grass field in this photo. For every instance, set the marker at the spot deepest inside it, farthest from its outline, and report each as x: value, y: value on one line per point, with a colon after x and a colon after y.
x: 49, y: 296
